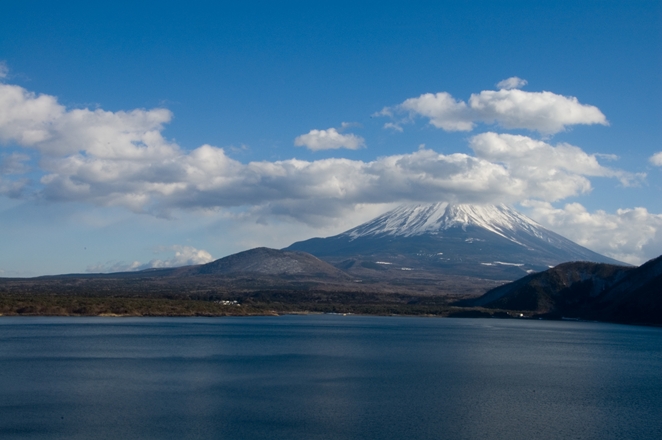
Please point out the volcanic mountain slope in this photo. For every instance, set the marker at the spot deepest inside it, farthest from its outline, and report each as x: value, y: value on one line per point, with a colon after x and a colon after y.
x: 255, y: 262
x: 256, y: 270
x: 585, y: 290
x: 487, y: 241
x: 265, y: 261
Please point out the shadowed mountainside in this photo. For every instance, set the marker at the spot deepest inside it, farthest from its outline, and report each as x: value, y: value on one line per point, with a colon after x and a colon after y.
x: 267, y: 281
x: 584, y: 290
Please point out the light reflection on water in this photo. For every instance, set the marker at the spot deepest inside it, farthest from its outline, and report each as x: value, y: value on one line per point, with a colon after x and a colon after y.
x: 328, y: 377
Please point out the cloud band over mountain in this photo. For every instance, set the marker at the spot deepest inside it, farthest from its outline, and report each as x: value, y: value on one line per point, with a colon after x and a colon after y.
x: 122, y: 159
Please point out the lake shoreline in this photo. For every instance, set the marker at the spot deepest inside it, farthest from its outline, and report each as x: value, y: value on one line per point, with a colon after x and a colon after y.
x: 119, y: 307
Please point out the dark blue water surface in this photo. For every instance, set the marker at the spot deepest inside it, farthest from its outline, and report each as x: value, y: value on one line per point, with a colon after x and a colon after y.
x: 327, y: 377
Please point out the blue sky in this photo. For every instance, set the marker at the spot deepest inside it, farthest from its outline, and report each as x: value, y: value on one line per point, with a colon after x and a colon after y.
x: 169, y: 133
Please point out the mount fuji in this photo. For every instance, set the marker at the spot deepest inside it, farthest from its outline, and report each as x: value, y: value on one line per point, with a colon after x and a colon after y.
x: 484, y: 241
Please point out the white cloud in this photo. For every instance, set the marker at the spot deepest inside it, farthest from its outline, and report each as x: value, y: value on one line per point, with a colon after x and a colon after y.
x: 506, y: 168
x: 208, y: 178
x: 329, y: 139
x: 545, y: 112
x: 656, y: 159
x: 442, y: 110
x: 536, y: 160
x: 4, y: 70
x: 184, y: 256
x: 394, y: 126
x: 630, y: 235
x: 512, y: 83
x: 121, y: 159
x: 40, y: 122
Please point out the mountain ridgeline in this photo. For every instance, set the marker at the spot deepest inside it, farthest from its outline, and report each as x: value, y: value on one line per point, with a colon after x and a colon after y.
x: 267, y: 262
x: 435, y: 259
x: 484, y: 241
x: 583, y: 290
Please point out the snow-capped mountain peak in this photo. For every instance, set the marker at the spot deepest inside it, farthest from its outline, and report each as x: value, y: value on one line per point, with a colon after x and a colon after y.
x: 408, y: 221
x: 485, y: 241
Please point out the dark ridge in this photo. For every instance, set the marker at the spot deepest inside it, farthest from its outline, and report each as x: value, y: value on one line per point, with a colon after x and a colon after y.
x: 584, y: 290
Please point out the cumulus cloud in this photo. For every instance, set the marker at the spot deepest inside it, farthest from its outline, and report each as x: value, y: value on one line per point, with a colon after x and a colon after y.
x: 505, y: 168
x: 40, y: 122
x: 656, y: 159
x: 208, y: 178
x: 329, y: 139
x: 545, y: 112
x: 512, y: 83
x: 184, y: 256
x: 442, y: 110
x: 121, y: 159
x: 630, y: 235
x: 532, y: 160
x: 509, y: 107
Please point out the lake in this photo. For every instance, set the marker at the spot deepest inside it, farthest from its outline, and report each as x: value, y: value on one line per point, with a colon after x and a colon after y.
x: 327, y: 377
